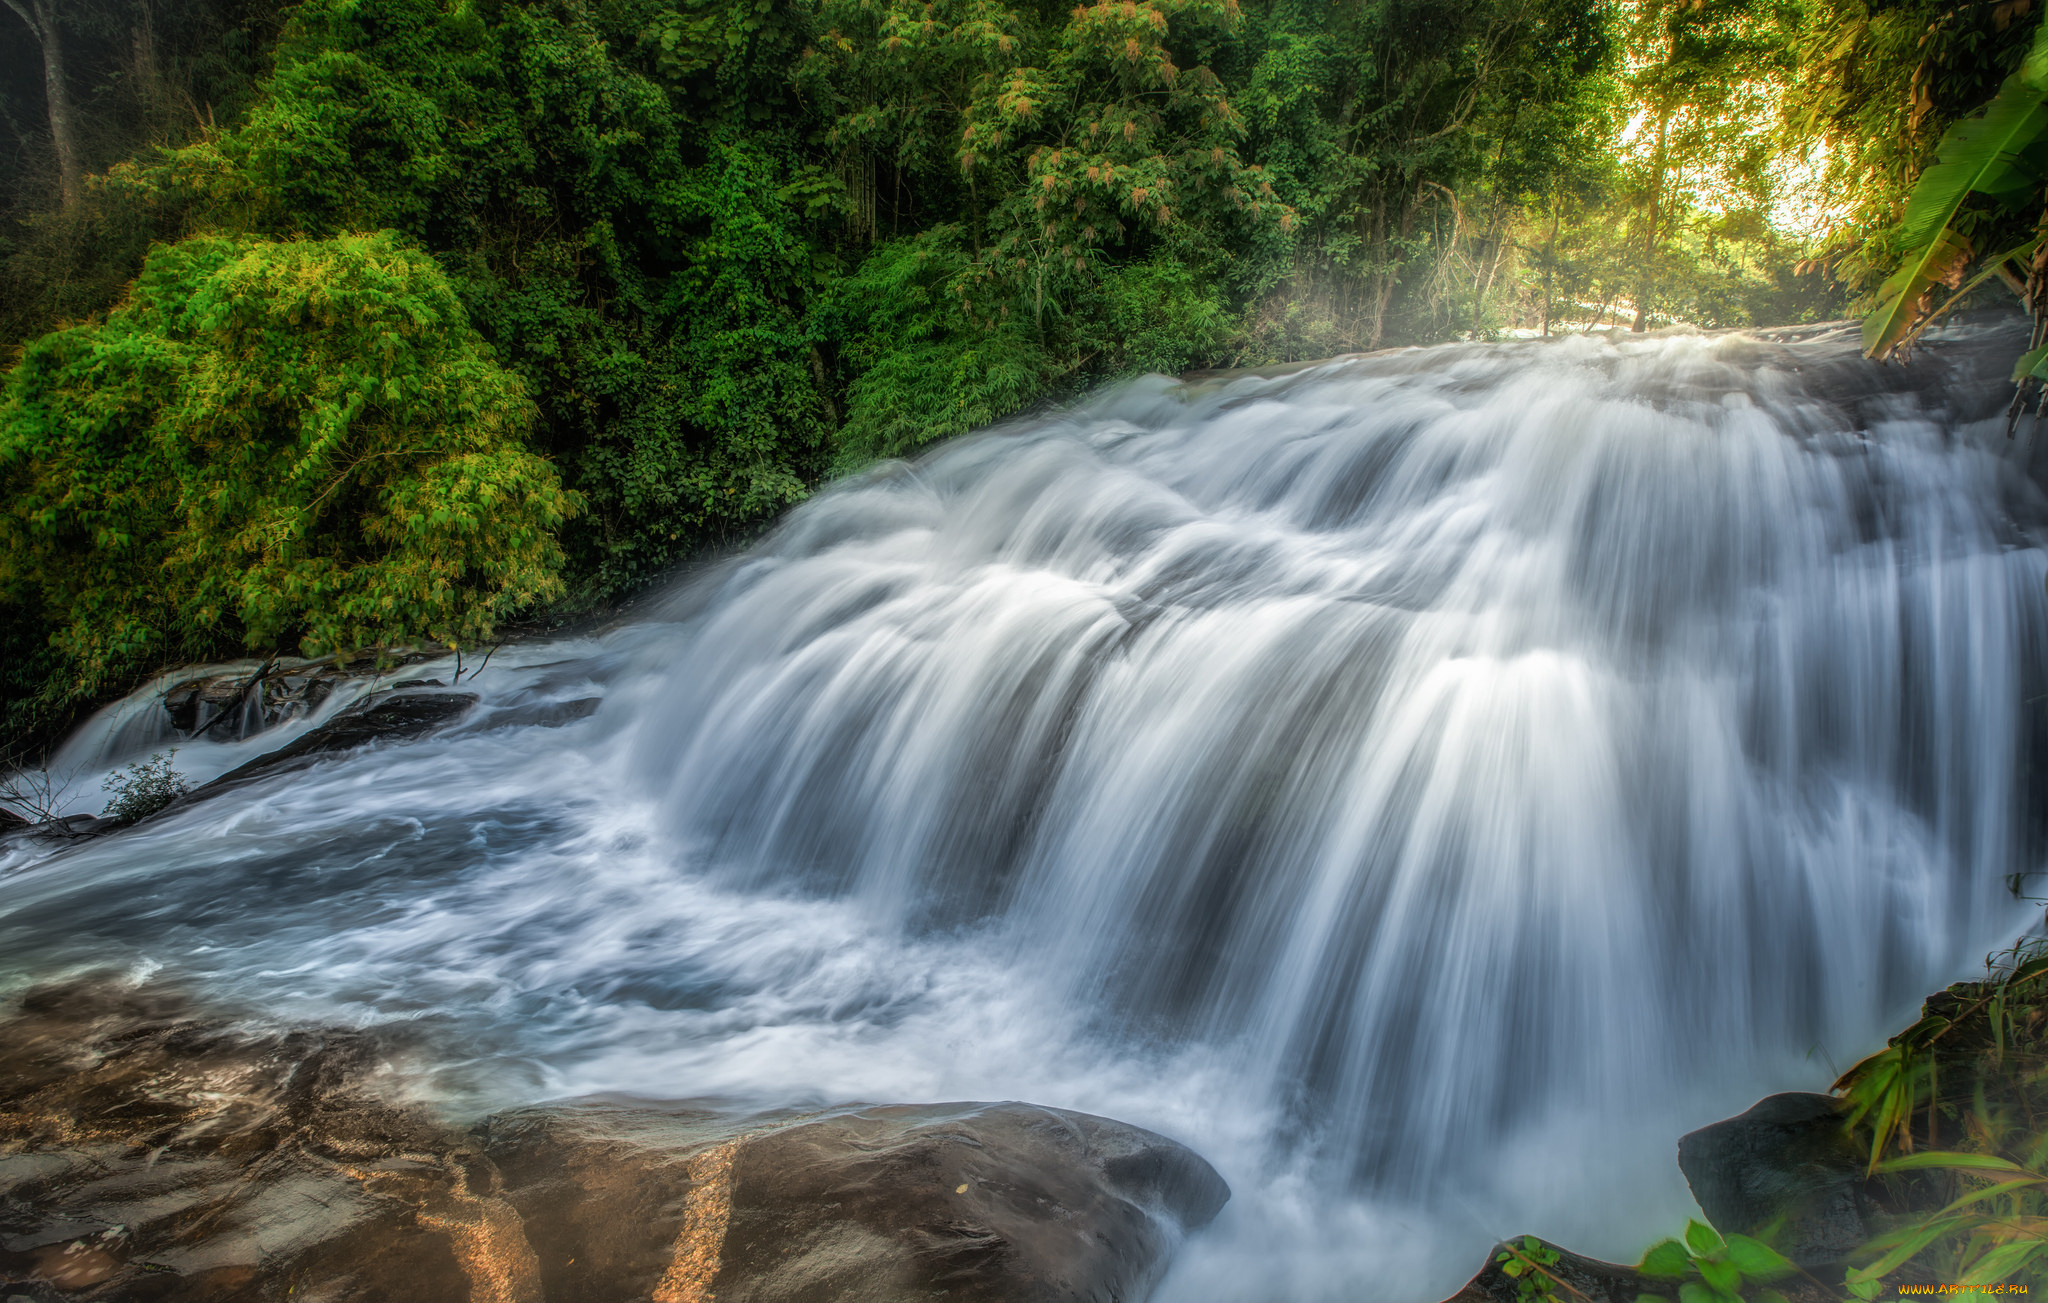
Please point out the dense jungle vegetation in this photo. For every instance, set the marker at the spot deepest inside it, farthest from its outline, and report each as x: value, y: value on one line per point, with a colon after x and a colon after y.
x: 339, y: 324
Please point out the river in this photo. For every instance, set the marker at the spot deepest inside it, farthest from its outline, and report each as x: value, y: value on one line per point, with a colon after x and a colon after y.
x: 1426, y: 784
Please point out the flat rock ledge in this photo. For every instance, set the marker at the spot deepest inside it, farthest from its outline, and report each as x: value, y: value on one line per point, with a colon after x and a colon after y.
x: 148, y: 1152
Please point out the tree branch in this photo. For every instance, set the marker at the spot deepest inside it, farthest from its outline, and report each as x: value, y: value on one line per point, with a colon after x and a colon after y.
x: 33, y: 26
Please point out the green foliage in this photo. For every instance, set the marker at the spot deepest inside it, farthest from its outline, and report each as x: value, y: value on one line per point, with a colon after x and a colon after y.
x: 1996, y: 153
x: 922, y: 367
x: 1529, y: 1265
x: 1877, y: 84
x: 1951, y: 1109
x: 1709, y: 1269
x: 148, y: 786
x: 272, y: 443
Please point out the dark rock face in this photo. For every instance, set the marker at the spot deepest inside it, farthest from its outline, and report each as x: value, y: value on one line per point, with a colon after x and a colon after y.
x: 388, y: 716
x: 149, y: 1153
x: 1787, y: 1159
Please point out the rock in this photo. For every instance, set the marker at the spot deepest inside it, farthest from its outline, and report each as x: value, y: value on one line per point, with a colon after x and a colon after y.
x: 240, y: 705
x: 1579, y: 1279
x: 9, y: 820
x: 1787, y: 1159
x: 60, y: 829
x: 387, y: 716
x: 148, y: 1151
x: 1587, y: 1280
x: 539, y: 714
x: 200, y: 701
x: 973, y: 1201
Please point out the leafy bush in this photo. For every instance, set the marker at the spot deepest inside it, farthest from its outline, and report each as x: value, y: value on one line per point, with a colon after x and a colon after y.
x: 271, y: 442
x: 1950, y: 1110
x: 148, y: 786
x: 923, y: 367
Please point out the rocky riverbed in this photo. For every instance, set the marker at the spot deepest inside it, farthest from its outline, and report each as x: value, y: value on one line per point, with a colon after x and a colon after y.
x: 151, y: 1150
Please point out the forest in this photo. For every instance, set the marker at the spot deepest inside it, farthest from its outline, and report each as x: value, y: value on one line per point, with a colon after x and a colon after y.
x: 344, y: 325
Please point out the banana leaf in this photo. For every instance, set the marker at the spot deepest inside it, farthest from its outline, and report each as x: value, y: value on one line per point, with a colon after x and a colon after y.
x: 1983, y: 154
x: 1899, y: 298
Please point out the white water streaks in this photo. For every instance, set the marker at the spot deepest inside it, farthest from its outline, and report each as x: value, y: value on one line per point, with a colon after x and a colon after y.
x: 1426, y: 784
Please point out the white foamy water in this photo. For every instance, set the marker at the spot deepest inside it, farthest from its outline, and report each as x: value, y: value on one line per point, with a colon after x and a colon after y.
x: 1425, y: 784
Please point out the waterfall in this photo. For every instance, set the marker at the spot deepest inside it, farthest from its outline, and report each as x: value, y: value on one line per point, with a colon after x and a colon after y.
x: 1426, y: 783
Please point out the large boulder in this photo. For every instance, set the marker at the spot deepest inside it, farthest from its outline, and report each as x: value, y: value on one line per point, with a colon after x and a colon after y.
x: 150, y: 1153
x: 1786, y: 1171
x: 964, y: 1201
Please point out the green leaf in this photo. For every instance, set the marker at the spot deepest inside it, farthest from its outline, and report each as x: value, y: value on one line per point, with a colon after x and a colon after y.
x: 1991, y: 1192
x: 1907, y: 1244
x: 1898, y: 299
x: 1980, y: 154
x: 2003, y: 1263
x: 1944, y: 1159
x: 1720, y: 1276
x: 2029, y: 365
x: 1667, y: 1259
x: 1757, y: 1260
x: 1990, y: 268
x: 1701, y: 1238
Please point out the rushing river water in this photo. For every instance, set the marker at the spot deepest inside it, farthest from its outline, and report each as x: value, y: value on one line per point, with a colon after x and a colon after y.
x: 1427, y: 784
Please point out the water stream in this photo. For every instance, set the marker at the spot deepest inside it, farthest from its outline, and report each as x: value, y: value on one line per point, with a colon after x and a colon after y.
x: 1426, y: 784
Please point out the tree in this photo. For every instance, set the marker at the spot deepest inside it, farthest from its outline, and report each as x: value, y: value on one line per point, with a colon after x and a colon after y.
x: 1704, y: 79
x: 40, y: 16
x: 277, y: 443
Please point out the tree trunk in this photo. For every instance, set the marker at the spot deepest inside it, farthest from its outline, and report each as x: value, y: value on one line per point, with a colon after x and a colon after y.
x: 1550, y: 257
x: 1648, y: 292
x: 1383, y: 288
x: 41, y: 17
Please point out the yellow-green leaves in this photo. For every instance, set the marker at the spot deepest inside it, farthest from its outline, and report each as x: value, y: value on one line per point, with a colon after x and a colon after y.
x: 279, y: 443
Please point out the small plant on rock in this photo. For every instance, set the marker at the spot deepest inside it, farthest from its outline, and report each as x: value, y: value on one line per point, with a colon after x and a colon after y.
x: 148, y: 786
x: 1529, y: 1265
x: 1709, y: 1269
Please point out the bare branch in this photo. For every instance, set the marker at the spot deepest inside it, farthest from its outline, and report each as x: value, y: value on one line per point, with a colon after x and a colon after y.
x: 26, y: 17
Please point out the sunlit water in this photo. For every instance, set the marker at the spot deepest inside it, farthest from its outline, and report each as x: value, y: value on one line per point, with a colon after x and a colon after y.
x: 1425, y: 784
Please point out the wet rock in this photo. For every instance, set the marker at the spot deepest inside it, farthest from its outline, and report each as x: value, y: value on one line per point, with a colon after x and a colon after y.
x: 245, y: 703
x: 385, y: 717
x: 1576, y: 1278
x: 200, y: 701
x: 538, y: 714
x: 241, y: 705
x: 9, y: 820
x: 973, y: 1201
x: 1786, y: 1170
x: 59, y: 829
x: 147, y: 1151
x: 1587, y: 1279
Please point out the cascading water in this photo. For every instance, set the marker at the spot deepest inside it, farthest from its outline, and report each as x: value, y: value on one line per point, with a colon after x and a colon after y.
x: 1426, y: 784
